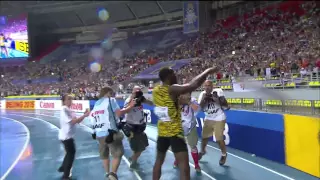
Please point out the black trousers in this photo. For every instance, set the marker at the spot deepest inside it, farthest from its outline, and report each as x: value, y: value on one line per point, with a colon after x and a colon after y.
x: 178, y: 144
x: 70, y: 148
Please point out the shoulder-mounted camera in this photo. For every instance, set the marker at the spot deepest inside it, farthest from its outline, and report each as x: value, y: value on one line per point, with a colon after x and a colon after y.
x: 139, y: 98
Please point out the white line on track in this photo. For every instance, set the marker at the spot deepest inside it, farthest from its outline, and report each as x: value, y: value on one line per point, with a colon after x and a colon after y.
x: 258, y: 165
x: 4, y: 176
x: 123, y: 157
x: 60, y: 159
x: 250, y: 162
x: 89, y: 130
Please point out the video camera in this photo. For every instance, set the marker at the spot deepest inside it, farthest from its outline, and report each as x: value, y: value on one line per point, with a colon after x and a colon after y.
x: 211, y: 97
x: 138, y: 96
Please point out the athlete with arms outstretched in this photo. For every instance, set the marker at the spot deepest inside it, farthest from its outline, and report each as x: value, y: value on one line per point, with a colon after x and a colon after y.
x: 170, y: 131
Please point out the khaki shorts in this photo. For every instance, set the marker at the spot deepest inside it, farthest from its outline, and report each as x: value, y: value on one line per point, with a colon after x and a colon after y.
x: 192, y: 137
x: 115, y: 148
x: 216, y: 127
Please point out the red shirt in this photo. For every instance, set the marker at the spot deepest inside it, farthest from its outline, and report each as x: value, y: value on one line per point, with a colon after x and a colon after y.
x: 305, y: 63
x: 318, y: 63
x: 219, y: 76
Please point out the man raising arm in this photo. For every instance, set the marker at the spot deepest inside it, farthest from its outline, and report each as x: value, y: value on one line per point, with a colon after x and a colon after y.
x: 170, y: 132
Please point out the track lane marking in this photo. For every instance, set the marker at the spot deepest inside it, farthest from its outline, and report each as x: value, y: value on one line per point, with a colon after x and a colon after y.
x: 90, y: 130
x: 56, y: 127
x: 15, y: 162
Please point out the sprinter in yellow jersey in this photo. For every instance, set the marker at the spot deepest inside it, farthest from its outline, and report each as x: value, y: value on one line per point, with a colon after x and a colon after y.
x: 170, y: 132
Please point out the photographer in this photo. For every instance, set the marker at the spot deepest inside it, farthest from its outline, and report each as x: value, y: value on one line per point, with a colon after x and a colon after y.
x: 136, y: 124
x: 104, y: 118
x: 68, y: 121
x: 213, y: 104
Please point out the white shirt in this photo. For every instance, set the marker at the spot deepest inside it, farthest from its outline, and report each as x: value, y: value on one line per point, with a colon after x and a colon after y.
x: 67, y: 129
x: 303, y: 71
x: 103, y: 116
x: 213, y: 111
x: 188, y: 116
x: 135, y: 115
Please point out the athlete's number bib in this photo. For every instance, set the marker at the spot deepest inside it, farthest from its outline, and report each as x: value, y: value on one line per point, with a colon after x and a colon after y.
x: 162, y: 113
x: 98, y: 124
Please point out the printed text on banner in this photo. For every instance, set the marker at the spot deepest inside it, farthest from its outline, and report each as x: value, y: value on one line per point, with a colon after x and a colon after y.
x: 20, y: 104
x: 190, y: 17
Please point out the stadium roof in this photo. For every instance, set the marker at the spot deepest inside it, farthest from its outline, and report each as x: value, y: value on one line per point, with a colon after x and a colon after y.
x: 77, y: 16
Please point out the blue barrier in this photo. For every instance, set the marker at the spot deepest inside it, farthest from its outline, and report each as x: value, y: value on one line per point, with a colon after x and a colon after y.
x: 257, y: 133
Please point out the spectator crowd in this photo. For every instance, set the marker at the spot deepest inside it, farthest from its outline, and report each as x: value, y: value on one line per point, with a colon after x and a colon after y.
x: 285, y: 39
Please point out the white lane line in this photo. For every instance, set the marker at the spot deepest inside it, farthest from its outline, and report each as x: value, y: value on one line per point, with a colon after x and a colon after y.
x: 250, y: 162
x: 203, y: 172
x: 60, y: 159
x: 4, y: 176
x: 87, y: 156
x: 123, y: 157
x: 258, y: 165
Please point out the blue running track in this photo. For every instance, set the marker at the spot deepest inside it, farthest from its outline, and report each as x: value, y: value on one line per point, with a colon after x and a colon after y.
x: 30, y: 150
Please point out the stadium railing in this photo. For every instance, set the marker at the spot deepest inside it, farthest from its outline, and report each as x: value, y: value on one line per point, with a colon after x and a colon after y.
x: 290, y: 81
x: 290, y: 106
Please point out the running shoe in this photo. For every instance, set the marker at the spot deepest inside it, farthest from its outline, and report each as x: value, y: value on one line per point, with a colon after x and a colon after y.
x: 198, y: 169
x: 223, y: 160
x: 112, y: 176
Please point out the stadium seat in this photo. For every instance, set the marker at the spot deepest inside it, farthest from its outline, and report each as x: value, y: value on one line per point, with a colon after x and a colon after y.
x: 229, y: 87
x: 295, y: 103
x: 260, y: 78
x: 225, y: 81
x: 238, y: 100
x: 290, y: 84
x: 314, y: 84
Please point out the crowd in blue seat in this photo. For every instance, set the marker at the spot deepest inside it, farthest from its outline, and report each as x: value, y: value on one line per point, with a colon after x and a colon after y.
x: 284, y: 38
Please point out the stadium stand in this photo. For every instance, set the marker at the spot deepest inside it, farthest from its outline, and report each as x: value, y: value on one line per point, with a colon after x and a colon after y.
x: 267, y: 52
x: 282, y: 38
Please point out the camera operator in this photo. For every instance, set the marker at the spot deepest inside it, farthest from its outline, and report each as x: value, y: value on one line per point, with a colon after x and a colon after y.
x: 136, y: 124
x: 104, y: 118
x: 213, y: 103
